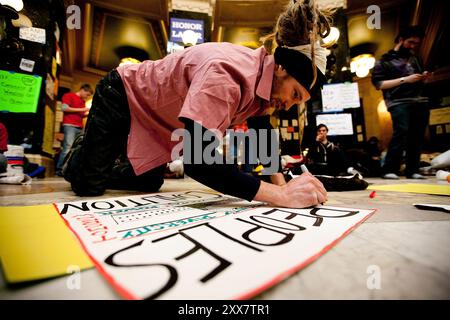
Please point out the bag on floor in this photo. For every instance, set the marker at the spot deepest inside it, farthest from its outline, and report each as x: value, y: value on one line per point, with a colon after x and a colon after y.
x: 344, y: 183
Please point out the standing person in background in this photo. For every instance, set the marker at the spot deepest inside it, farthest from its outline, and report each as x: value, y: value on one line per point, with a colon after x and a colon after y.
x: 74, y: 108
x: 400, y: 75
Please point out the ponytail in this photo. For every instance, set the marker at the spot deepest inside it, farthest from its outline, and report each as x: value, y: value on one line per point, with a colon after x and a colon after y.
x: 302, y: 23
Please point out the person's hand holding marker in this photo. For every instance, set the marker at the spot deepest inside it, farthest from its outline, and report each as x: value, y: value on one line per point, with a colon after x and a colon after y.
x: 300, y: 192
x: 305, y: 190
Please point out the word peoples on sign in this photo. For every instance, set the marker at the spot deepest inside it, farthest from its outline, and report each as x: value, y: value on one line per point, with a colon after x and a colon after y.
x: 251, y: 235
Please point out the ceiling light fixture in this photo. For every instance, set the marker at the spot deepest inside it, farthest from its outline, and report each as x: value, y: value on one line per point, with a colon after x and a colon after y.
x: 128, y: 60
x: 362, y: 64
x: 15, y: 4
x: 332, y: 38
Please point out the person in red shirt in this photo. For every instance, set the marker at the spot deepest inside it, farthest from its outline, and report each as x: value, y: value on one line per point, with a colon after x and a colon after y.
x: 211, y: 86
x: 3, y: 148
x: 73, y: 105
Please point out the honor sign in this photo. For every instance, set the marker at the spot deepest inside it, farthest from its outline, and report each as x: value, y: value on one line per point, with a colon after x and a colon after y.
x: 186, y: 31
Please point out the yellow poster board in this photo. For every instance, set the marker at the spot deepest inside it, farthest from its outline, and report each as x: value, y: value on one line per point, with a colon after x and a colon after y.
x: 35, y: 243
x: 443, y: 190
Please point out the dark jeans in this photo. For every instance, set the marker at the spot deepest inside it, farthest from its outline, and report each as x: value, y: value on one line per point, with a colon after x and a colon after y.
x: 409, y: 122
x: 70, y: 133
x: 92, y: 167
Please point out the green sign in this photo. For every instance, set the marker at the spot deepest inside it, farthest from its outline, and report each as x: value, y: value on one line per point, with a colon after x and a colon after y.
x: 19, y: 92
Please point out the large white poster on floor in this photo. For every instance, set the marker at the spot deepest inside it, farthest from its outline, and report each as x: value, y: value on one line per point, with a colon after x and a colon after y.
x: 200, y: 245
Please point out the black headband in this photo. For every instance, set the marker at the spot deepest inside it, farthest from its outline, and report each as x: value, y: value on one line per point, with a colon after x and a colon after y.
x: 300, y: 67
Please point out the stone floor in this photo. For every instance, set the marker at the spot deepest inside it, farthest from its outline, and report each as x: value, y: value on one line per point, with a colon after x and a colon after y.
x: 410, y: 248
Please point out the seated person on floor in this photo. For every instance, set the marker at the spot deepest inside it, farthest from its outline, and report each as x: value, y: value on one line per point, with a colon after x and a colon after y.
x: 325, y: 158
x: 372, y: 148
x: 366, y: 158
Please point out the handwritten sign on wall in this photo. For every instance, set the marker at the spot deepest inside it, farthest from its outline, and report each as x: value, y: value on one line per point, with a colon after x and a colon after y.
x: 19, y: 92
x: 200, y: 245
x: 32, y: 34
x: 338, y: 124
x: 339, y: 96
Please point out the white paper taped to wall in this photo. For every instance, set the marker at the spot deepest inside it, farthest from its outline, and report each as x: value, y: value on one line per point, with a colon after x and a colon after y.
x: 338, y: 124
x: 339, y: 96
x: 32, y: 34
x: 27, y: 65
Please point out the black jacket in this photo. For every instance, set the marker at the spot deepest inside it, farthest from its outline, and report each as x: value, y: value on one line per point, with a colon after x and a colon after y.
x: 393, y: 65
